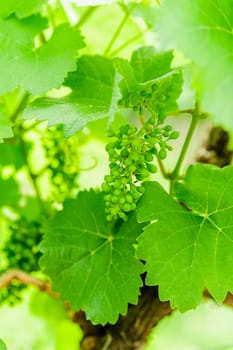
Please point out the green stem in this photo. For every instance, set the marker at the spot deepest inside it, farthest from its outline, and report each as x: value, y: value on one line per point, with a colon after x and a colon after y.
x: 161, y: 167
x: 86, y: 16
x: 33, y: 177
x: 126, y: 43
x: 117, y: 32
x: 195, y: 118
x: 21, y: 105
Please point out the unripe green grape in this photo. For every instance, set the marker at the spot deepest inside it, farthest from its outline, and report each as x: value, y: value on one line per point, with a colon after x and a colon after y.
x: 117, y: 192
x: 162, y: 154
x: 117, y: 184
x: 133, y: 206
x: 124, y: 180
x: 135, y: 156
x: 132, y: 168
x: 121, y: 200
x: 168, y: 128
x: 105, y: 187
x: 149, y: 157
x: 124, y: 152
x: 107, y: 197
x: 126, y: 207
x: 129, y: 198
x: 152, y: 168
x: 154, y: 150
x: 124, y: 129
x: 139, y: 177
x: 141, y: 189
x: 114, y: 199
x: 174, y: 135
x: 166, y: 134
x: 144, y: 173
x: 110, y: 146
x: 108, y: 178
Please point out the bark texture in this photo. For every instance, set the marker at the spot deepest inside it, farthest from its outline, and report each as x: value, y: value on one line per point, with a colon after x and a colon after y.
x: 131, y: 331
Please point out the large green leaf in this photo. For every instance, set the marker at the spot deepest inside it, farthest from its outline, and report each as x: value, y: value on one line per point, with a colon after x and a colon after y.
x: 91, y: 266
x: 148, y: 81
x: 94, y: 96
x: 22, y: 8
x: 5, y: 126
x: 9, y: 192
x: 2, y: 345
x: 187, y: 250
x: 35, y: 70
x: 202, y: 29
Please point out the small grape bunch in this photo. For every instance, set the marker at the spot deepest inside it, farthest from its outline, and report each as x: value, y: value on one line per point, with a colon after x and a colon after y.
x: 22, y: 248
x: 131, y: 158
x: 63, y: 162
x: 21, y: 252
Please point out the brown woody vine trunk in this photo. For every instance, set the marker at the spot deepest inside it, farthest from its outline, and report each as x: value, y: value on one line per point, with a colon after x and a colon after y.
x: 131, y: 331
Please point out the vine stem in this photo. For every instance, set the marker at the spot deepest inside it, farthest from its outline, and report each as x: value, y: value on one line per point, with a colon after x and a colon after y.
x: 33, y: 177
x: 85, y: 16
x: 195, y: 118
x: 117, y: 32
x: 21, y: 105
x: 25, y: 278
x: 126, y: 43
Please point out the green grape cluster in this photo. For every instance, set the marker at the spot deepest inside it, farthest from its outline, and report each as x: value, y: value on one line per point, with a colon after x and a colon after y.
x: 63, y: 162
x: 148, y: 97
x: 131, y: 158
x: 21, y: 252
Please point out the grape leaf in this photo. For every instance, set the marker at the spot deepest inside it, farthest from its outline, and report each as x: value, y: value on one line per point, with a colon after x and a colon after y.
x: 149, y: 81
x: 206, y: 25
x: 22, y: 8
x: 91, y: 266
x: 94, y: 96
x: 2, y: 345
x: 189, y: 250
x: 5, y: 126
x: 11, y: 153
x: 9, y: 192
x: 36, y: 70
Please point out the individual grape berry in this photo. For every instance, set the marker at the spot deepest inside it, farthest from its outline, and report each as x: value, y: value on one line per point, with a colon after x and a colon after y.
x: 162, y: 154
x: 174, y: 135
x: 151, y: 168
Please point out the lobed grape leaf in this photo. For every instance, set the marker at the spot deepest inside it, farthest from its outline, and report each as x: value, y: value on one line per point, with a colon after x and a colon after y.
x: 21, y: 8
x: 187, y: 250
x: 94, y: 96
x: 91, y: 266
x: 35, y: 70
x: 149, y: 81
x: 11, y: 154
x: 5, y: 126
x: 9, y: 192
x: 206, y: 25
x: 2, y: 345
